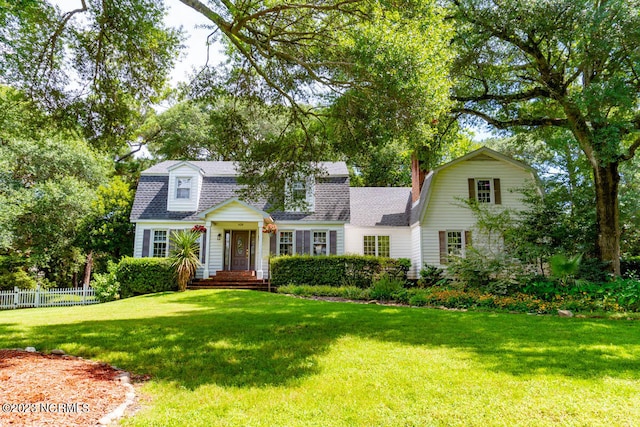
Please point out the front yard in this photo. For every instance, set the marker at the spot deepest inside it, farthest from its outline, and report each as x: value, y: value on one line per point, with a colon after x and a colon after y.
x: 238, y: 358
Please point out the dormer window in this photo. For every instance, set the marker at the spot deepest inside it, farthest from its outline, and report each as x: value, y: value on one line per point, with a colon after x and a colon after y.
x: 183, y: 188
x: 300, y: 195
x: 299, y: 191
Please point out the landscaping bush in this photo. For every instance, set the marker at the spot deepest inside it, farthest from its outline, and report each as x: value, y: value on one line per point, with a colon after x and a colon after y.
x: 105, y: 285
x: 386, y: 288
x: 350, y: 270
x: 19, y: 278
x: 139, y: 276
x: 431, y: 275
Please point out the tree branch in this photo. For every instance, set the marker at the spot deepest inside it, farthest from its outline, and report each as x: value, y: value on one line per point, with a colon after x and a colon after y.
x: 534, y: 93
x: 506, y: 124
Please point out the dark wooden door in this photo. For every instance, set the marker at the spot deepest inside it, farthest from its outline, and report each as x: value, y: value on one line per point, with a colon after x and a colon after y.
x: 240, y: 250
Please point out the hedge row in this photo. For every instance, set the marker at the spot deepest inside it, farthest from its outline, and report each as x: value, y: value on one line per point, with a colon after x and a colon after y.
x: 343, y: 270
x: 139, y: 276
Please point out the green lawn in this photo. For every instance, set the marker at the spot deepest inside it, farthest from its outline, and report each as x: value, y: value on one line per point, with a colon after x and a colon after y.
x: 242, y: 358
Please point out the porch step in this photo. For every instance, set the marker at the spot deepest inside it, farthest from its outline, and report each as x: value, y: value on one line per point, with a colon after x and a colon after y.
x: 232, y: 280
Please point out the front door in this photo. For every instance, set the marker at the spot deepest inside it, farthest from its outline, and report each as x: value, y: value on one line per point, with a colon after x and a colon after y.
x: 240, y: 250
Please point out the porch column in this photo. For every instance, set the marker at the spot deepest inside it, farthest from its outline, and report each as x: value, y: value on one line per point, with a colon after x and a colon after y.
x: 207, y: 250
x: 259, y: 272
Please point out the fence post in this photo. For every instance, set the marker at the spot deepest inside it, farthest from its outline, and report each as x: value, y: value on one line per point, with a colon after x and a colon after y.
x: 16, y: 297
x: 84, y: 294
x: 37, y: 301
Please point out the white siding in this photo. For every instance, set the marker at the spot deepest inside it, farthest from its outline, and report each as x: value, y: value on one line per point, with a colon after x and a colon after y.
x: 416, y: 251
x: 399, y: 239
x: 446, y: 209
x: 235, y: 212
x: 184, y: 205
x: 338, y: 228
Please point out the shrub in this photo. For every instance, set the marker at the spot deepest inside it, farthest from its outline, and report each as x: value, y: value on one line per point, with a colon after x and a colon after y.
x: 139, y: 276
x: 105, y: 285
x: 350, y: 270
x: 431, y: 275
x: 418, y: 300
x: 19, y: 278
x: 387, y: 288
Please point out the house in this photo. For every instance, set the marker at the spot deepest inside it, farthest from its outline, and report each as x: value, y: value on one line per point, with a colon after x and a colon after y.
x: 424, y: 223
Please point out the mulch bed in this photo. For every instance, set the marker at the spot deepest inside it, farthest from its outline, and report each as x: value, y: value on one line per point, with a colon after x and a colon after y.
x: 46, y: 390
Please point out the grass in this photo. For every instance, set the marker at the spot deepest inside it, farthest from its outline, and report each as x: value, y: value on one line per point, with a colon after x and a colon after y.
x: 239, y: 358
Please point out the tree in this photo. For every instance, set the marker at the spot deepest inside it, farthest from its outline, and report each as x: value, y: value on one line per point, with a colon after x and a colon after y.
x: 100, y: 65
x: 346, y: 74
x: 46, y: 190
x: 571, y: 64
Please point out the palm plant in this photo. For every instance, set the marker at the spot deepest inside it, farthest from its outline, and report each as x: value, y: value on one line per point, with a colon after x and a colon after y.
x: 564, y: 268
x: 185, y: 256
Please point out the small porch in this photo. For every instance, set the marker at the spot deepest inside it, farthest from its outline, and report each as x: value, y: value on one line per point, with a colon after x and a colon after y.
x: 235, y: 249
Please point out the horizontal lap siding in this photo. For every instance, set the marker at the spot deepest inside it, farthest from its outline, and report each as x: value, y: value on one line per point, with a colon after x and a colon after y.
x: 184, y: 205
x: 447, y: 210
x: 399, y: 239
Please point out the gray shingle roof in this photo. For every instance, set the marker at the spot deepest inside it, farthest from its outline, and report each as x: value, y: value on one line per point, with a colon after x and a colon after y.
x: 150, y: 203
x: 380, y: 206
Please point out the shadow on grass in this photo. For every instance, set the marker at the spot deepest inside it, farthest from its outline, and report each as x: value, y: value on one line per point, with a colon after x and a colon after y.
x: 252, y: 339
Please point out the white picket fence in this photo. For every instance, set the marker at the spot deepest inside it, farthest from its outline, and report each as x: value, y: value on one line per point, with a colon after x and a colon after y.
x: 55, y: 297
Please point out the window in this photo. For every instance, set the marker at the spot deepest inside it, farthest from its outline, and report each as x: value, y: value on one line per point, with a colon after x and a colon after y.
x: 160, y: 243
x: 319, y: 243
x: 183, y: 188
x: 377, y: 246
x: 286, y: 243
x: 299, y: 191
x: 454, y: 243
x: 483, y: 190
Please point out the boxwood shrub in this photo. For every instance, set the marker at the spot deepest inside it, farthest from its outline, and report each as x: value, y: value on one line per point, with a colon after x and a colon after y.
x: 332, y: 270
x: 139, y: 276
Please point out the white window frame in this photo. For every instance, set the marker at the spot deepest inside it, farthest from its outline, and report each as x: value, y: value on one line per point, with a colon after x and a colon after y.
x: 377, y: 242
x: 292, y: 243
x: 159, y: 242
x: 313, y: 242
x: 459, y: 251
x: 294, y: 198
x: 189, y: 180
x: 487, y: 195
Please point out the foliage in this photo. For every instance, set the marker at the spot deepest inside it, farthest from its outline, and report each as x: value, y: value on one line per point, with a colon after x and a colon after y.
x: 339, y: 78
x: 46, y: 190
x: 185, y: 256
x: 99, y: 66
x: 17, y: 278
x: 106, y: 285
x: 631, y: 266
x: 430, y: 275
x: 564, y: 268
x: 385, y: 287
x: 139, y: 276
x: 352, y: 270
x: 107, y: 229
x: 564, y: 64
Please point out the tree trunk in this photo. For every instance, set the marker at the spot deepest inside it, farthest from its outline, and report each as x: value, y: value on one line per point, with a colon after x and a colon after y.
x: 87, y: 270
x: 606, y: 179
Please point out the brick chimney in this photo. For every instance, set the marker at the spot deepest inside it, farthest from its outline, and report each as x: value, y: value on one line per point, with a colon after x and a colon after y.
x: 417, y: 177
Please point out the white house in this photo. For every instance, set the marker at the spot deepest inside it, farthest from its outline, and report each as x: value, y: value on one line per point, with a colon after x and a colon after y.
x: 423, y: 223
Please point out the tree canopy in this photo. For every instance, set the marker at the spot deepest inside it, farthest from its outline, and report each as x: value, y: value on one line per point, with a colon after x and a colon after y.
x: 570, y: 64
